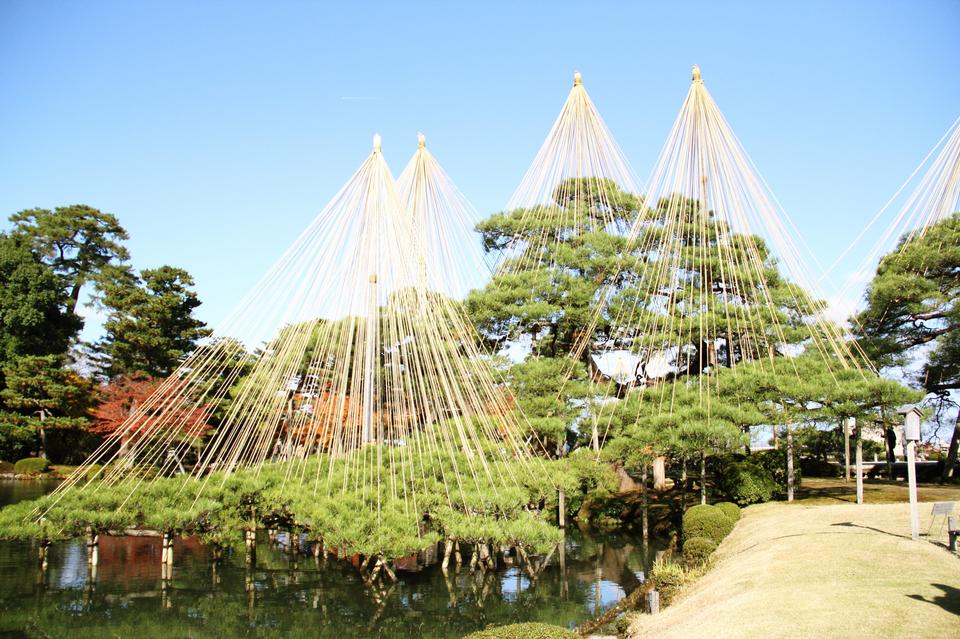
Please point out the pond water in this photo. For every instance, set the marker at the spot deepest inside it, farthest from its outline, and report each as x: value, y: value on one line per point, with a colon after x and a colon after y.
x: 289, y: 596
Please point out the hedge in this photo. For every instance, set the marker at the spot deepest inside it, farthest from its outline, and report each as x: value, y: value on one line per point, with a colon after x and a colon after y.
x: 731, y: 510
x: 6, y: 467
x: 31, y: 466
x: 696, y: 550
x: 706, y: 521
x: 524, y: 631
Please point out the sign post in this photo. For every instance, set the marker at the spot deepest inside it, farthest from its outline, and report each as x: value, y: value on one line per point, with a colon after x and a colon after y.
x: 911, y: 433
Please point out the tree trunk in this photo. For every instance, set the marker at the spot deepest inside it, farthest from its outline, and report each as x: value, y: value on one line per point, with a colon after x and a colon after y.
x: 645, y: 518
x: 74, y: 297
x: 683, y: 485
x: 703, y: 477
x: 951, y: 460
x: 890, y: 438
x: 43, y: 441
x: 789, y: 463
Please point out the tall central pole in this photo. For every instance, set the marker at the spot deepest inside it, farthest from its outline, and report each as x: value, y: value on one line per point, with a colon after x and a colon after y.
x: 369, y: 356
x: 370, y: 350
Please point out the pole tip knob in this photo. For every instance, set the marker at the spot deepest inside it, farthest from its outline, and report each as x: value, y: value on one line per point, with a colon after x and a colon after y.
x: 377, y: 143
x: 577, y: 79
x: 421, y: 140
x: 696, y: 73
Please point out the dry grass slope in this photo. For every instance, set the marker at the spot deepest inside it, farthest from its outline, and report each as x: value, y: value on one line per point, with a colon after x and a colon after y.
x: 819, y: 571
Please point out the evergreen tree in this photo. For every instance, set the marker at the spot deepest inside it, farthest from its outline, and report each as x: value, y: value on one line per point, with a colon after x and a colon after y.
x: 40, y: 395
x: 78, y: 241
x: 150, y: 324
x: 34, y: 311
x: 912, y: 314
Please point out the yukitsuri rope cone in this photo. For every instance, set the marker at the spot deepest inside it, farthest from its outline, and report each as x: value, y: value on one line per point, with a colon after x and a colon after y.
x: 570, y: 188
x: 702, y: 290
x: 349, y: 371
x: 934, y: 196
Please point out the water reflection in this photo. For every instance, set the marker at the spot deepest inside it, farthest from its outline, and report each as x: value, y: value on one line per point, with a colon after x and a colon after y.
x: 287, y: 594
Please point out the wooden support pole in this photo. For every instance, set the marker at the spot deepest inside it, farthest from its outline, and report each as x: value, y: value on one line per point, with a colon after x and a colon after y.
x: 562, y: 508
x: 42, y: 552
x: 653, y: 602
x: 859, y: 462
x: 93, y: 547
x: 912, y: 480
x: 250, y: 545
x: 846, y: 448
x: 790, y: 477
x: 660, y: 473
x: 166, y: 549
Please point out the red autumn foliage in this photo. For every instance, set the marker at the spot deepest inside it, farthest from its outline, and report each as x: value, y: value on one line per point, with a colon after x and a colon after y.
x: 140, y: 402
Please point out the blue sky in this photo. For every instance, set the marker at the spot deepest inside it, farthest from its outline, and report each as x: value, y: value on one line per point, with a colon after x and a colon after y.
x: 217, y: 131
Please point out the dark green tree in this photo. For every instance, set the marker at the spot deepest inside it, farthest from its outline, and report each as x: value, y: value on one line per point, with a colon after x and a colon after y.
x: 150, y: 324
x: 34, y: 315
x: 559, y: 259
x: 912, y: 313
x: 78, y: 241
x: 42, y: 395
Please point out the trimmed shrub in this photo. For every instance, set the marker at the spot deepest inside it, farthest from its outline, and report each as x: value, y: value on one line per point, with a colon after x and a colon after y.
x: 6, y: 467
x: 730, y: 509
x: 31, y: 466
x: 746, y: 483
x: 524, y: 631
x: 706, y: 521
x: 696, y: 550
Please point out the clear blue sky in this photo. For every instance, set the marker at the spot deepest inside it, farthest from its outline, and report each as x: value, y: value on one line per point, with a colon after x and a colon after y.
x: 217, y: 131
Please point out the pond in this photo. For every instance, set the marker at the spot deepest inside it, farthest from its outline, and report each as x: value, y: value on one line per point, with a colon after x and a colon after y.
x: 295, y: 596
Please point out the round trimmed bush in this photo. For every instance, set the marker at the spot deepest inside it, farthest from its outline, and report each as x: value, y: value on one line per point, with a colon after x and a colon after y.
x: 31, y: 466
x: 747, y: 483
x: 696, y: 550
x: 524, y: 631
x: 706, y: 521
x: 729, y: 509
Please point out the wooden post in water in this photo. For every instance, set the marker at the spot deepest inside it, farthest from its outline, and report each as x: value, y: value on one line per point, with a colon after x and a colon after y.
x: 250, y: 545
x: 562, y: 508
x: 166, y: 552
x: 93, y: 547
x: 42, y: 553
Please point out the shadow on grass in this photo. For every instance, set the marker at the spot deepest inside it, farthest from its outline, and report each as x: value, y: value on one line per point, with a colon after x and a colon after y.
x: 949, y: 600
x: 838, y: 493
x: 850, y: 524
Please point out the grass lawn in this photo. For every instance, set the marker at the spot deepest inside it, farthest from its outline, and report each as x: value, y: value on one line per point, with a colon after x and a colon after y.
x: 822, y: 568
x: 816, y: 490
